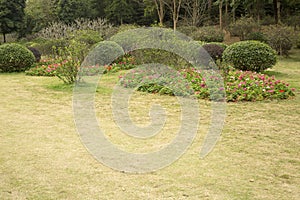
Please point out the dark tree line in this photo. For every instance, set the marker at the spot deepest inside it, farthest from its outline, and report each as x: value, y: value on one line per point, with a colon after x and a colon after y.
x: 29, y: 16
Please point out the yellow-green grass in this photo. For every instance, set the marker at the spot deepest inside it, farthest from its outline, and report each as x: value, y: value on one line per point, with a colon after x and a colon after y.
x: 42, y: 157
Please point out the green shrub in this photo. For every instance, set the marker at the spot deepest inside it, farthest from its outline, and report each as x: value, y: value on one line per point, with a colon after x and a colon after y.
x: 250, y: 56
x: 215, y: 51
x: 258, y: 36
x: 208, y: 34
x: 36, y: 53
x: 187, y: 30
x: 88, y: 37
x: 45, y: 46
x: 15, y: 58
x: 280, y: 38
x: 242, y: 27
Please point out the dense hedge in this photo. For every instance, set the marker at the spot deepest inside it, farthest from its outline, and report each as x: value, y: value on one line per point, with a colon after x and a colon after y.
x: 250, y: 56
x: 15, y: 58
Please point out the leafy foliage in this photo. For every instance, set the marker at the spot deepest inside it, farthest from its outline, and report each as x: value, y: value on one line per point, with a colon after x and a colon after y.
x: 208, y: 34
x: 258, y: 36
x: 11, y: 16
x: 250, y: 56
x: 15, y: 58
x: 242, y: 27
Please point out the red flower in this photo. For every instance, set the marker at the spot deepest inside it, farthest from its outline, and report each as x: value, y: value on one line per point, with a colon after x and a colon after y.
x: 281, y: 91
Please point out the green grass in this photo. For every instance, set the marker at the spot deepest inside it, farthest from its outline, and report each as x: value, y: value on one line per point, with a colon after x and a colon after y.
x: 42, y: 157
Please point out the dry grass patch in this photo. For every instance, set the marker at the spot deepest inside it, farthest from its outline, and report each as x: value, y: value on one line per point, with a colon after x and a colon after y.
x: 42, y: 157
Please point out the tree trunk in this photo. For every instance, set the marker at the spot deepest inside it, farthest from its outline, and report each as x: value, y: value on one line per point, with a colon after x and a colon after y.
x: 221, y: 14
x: 4, y: 37
x: 226, y: 13
x: 209, y: 8
x: 276, y: 5
x: 161, y: 13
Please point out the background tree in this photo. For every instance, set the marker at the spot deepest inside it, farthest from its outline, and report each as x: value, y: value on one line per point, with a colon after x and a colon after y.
x: 11, y: 16
x: 174, y: 6
x: 119, y: 11
x: 69, y: 10
x: 195, y: 11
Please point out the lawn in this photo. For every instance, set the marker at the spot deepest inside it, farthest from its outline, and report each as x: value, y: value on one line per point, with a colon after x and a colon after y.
x: 42, y: 157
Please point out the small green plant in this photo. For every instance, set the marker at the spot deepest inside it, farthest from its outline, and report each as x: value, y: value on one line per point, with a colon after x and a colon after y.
x: 15, y: 58
x: 250, y: 56
x: 208, y: 34
x: 70, y: 59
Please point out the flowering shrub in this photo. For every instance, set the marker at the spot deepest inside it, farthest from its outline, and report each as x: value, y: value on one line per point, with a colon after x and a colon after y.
x: 238, y: 85
x: 123, y: 63
x: 156, y: 79
x: 43, y: 68
x: 252, y: 86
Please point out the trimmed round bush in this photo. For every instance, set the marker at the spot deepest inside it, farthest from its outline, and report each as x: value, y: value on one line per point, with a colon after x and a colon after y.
x: 15, y: 58
x: 215, y: 51
x: 250, y: 56
x: 36, y: 53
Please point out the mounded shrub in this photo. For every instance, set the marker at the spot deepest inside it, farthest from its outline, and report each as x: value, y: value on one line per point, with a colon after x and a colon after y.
x: 45, y: 46
x: 280, y: 38
x: 258, y: 36
x: 15, y: 58
x: 37, y: 54
x: 242, y: 27
x: 214, y: 50
x: 208, y: 34
x: 250, y: 56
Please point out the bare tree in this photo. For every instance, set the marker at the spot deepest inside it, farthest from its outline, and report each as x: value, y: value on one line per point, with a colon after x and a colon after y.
x: 159, y: 4
x: 174, y: 6
x: 195, y: 11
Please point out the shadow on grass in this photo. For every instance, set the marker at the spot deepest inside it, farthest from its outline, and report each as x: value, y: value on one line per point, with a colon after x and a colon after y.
x: 275, y: 73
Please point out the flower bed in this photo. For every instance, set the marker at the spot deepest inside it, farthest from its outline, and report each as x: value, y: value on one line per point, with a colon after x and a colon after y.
x: 238, y: 85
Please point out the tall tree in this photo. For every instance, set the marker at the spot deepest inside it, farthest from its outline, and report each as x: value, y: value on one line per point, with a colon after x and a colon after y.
x: 69, y: 10
x: 11, y: 16
x: 119, y: 11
